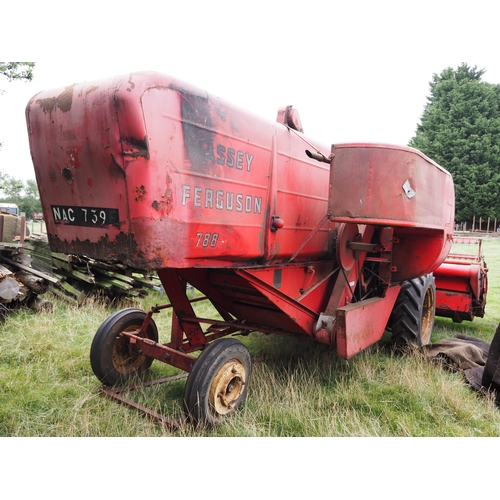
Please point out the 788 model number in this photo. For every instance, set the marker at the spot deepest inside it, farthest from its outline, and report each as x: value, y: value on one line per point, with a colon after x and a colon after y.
x: 207, y: 239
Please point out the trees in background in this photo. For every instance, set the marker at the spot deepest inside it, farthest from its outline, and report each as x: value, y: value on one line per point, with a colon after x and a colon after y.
x: 24, y: 194
x: 460, y: 130
x: 17, y: 70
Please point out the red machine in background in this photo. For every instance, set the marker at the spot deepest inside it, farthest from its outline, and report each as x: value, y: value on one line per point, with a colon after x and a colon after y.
x: 462, y: 283
x: 282, y: 234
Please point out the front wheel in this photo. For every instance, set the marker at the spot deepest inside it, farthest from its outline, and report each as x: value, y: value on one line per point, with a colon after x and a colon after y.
x: 412, y: 319
x: 218, y: 382
x: 112, y: 357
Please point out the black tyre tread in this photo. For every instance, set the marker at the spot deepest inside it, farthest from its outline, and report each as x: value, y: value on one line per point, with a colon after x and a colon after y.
x: 200, y: 378
x: 210, y: 352
x: 491, y: 374
x: 405, y: 320
x: 101, y: 338
x: 202, y: 366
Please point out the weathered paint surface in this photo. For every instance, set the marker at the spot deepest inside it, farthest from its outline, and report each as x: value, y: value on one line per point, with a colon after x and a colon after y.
x: 155, y: 173
x: 401, y: 188
x: 192, y: 179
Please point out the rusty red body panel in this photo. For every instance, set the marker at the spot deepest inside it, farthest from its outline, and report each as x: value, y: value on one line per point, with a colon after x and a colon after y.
x: 401, y: 188
x: 150, y: 161
x: 155, y: 173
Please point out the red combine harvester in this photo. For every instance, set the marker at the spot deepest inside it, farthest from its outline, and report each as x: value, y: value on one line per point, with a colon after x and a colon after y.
x: 282, y: 234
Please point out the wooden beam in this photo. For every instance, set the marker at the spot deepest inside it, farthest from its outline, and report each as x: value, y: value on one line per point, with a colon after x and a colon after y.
x: 46, y: 276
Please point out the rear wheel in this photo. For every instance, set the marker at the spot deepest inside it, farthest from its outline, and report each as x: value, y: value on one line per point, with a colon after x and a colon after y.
x: 412, y: 319
x: 218, y: 382
x: 112, y: 357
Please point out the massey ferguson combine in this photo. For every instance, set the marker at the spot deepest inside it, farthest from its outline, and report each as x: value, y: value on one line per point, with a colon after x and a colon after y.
x: 283, y: 235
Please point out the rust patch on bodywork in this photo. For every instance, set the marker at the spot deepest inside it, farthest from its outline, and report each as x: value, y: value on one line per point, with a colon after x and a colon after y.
x: 164, y: 206
x: 67, y: 174
x: 72, y: 155
x: 135, y: 147
x: 63, y: 101
x: 123, y: 249
x: 68, y: 171
x: 140, y: 193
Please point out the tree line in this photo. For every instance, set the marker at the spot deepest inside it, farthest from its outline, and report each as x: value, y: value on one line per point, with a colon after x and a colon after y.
x: 460, y: 130
x: 23, y: 193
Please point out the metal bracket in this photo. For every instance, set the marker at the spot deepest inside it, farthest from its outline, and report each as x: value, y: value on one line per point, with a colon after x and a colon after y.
x: 173, y: 424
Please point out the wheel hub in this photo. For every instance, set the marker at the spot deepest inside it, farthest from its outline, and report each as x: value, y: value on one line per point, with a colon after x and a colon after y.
x: 227, y: 387
x: 428, y: 316
x: 125, y: 359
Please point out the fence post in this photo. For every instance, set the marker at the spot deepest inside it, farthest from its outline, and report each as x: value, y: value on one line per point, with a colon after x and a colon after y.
x: 22, y: 231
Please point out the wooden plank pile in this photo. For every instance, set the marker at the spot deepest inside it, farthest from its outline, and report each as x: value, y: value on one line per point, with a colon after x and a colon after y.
x: 79, y: 275
x: 20, y: 285
x: 28, y: 269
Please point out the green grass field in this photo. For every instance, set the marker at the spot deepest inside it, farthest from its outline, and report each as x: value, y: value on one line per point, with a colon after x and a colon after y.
x: 298, y: 388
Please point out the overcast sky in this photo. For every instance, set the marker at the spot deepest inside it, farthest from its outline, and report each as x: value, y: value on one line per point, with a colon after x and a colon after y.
x: 357, y: 71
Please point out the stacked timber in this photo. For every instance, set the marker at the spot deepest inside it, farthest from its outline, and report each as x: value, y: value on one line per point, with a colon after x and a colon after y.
x: 79, y: 276
x: 28, y: 270
x: 20, y: 285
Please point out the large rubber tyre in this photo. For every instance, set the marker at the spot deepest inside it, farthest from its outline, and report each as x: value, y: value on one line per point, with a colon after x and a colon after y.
x: 491, y: 373
x: 412, y: 319
x: 218, y: 382
x: 110, y: 357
